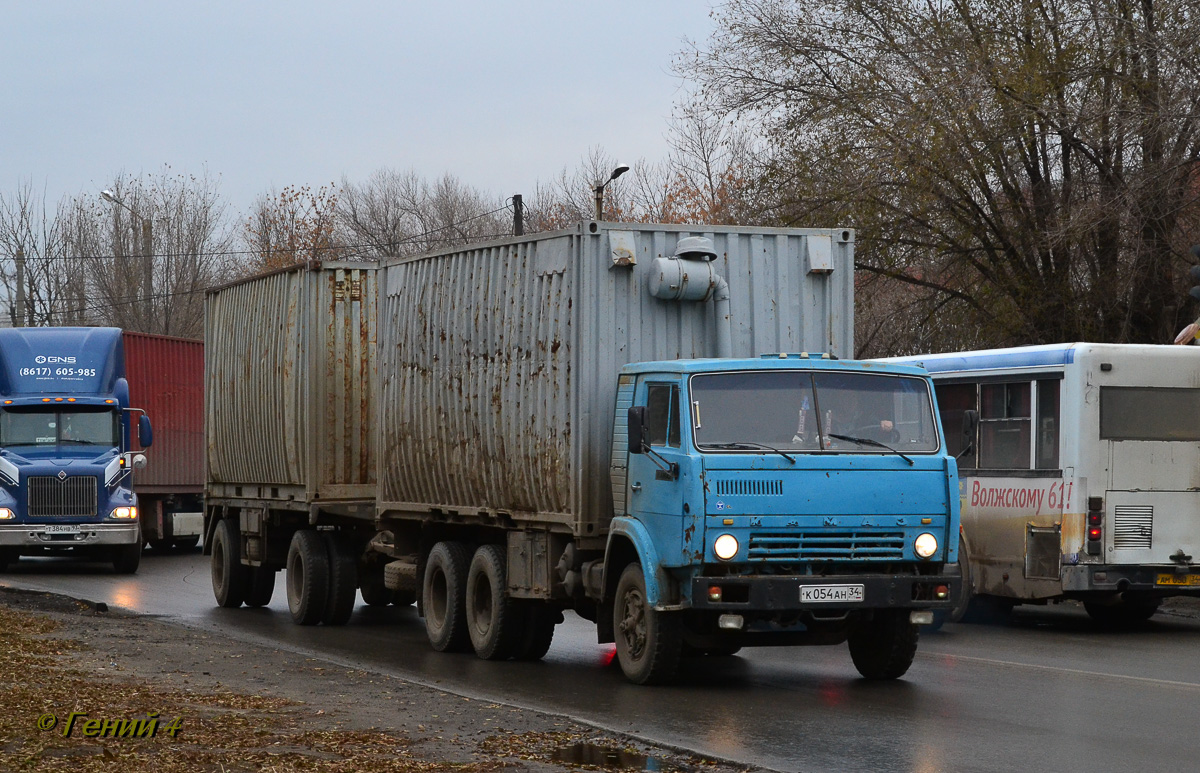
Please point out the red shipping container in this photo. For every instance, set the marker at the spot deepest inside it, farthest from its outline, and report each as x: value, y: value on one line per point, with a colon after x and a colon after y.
x: 166, y: 380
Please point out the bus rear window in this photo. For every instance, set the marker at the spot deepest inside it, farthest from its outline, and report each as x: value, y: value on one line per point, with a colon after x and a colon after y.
x: 1149, y: 413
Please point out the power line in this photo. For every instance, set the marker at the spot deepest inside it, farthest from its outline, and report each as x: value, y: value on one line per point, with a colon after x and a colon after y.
x: 380, y: 246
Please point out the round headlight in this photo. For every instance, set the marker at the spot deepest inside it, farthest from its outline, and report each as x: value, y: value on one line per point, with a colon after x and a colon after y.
x: 925, y: 545
x: 725, y: 547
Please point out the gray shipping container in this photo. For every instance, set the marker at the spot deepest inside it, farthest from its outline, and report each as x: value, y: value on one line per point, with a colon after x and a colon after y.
x: 290, y: 385
x: 499, y: 362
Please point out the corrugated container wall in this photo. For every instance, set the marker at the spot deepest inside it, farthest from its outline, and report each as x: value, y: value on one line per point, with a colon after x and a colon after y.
x: 166, y: 380
x: 290, y: 367
x: 499, y: 363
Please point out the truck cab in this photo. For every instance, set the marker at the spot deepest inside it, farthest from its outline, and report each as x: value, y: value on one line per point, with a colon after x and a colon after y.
x: 791, y: 499
x: 65, y: 459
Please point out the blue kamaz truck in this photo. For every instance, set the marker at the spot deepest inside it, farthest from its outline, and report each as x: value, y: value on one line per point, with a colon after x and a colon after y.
x: 65, y: 459
x: 581, y: 421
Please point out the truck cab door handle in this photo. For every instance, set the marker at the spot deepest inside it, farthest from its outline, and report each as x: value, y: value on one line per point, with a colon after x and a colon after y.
x: 636, y: 487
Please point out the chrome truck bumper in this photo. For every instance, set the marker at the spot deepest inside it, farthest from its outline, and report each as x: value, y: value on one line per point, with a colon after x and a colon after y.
x: 36, y: 535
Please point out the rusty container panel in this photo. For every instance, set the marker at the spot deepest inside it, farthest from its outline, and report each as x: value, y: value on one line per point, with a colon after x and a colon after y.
x: 290, y: 374
x: 499, y: 362
x: 166, y: 380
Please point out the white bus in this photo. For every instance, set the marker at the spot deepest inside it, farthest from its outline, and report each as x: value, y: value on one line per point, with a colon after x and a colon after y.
x: 1079, y: 473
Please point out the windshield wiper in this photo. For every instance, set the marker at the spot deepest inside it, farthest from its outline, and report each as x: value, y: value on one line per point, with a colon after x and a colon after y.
x: 864, y: 441
x: 748, y: 444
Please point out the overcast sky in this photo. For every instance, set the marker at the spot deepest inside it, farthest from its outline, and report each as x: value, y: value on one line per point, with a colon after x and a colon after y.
x: 263, y: 94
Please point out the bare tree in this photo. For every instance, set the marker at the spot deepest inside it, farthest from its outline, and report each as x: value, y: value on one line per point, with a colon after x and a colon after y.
x: 401, y: 213
x: 44, y: 282
x: 293, y: 225
x: 1026, y: 166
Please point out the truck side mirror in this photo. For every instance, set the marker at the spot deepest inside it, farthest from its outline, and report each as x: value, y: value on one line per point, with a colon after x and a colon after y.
x: 145, y: 434
x: 637, y: 428
x: 969, y: 425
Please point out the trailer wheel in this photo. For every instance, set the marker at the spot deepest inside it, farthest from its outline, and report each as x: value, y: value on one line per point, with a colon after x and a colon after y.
x: 649, y: 643
x: 537, y: 631
x: 443, y: 597
x: 307, y: 577
x: 493, y: 621
x: 1125, y: 613
x: 230, y: 579
x: 343, y: 581
x: 261, y: 586
x: 884, y: 646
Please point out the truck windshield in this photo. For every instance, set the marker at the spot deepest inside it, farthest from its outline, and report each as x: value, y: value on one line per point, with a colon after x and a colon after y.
x: 38, y: 427
x: 812, y: 411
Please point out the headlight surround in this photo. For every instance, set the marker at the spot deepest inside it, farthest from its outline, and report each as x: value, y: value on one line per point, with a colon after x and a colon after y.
x: 925, y: 545
x: 124, y: 513
x: 725, y: 547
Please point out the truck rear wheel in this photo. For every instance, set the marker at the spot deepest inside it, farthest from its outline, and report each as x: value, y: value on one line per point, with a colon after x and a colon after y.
x: 343, y: 581
x: 230, y: 579
x: 307, y: 577
x: 443, y: 597
x: 537, y: 630
x: 649, y: 643
x: 261, y: 586
x: 493, y: 621
x: 884, y: 646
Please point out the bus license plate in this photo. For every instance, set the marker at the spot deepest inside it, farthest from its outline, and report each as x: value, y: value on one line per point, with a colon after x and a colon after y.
x: 61, y: 528
x: 1178, y: 579
x: 831, y: 594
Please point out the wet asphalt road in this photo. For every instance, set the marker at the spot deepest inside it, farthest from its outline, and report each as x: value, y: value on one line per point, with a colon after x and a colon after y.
x: 1049, y: 691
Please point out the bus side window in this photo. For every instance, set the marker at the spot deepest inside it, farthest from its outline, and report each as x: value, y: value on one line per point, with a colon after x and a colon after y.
x: 662, y: 415
x: 953, y: 401
x: 1004, y: 426
x: 1047, y: 424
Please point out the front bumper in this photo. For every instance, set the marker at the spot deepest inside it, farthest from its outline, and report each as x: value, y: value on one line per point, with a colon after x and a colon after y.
x: 34, y: 535
x: 783, y: 593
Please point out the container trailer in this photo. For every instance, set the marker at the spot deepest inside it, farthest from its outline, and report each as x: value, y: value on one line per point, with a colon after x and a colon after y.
x: 582, y: 420
x: 166, y: 378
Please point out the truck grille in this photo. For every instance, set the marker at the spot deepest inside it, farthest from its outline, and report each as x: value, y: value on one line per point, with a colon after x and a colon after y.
x: 752, y: 488
x: 1133, y: 527
x: 827, y: 546
x: 70, y: 497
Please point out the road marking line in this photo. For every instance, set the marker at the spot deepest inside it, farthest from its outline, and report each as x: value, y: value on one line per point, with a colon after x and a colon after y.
x: 1075, y: 671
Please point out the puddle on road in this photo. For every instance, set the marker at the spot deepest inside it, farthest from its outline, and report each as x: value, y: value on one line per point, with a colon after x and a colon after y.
x: 607, y: 758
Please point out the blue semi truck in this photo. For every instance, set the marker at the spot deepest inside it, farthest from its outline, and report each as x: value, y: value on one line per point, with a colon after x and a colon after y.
x: 65, y: 459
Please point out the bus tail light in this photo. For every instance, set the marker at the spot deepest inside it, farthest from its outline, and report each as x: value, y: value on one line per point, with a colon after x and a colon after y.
x: 1095, y: 526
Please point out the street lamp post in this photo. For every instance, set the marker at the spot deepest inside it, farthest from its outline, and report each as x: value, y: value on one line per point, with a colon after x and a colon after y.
x: 147, y: 256
x: 599, y: 189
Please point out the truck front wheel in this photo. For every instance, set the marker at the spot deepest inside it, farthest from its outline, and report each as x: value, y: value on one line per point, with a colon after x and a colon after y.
x: 649, y: 643
x: 493, y: 621
x: 307, y: 577
x: 127, y: 557
x: 229, y: 577
x: 8, y: 556
x: 884, y: 646
x: 443, y: 597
